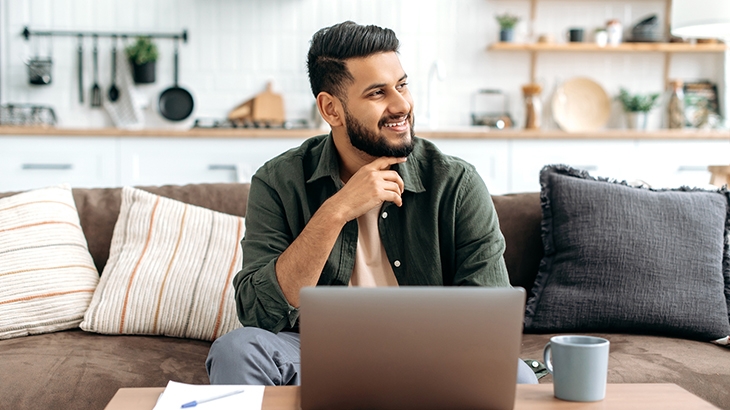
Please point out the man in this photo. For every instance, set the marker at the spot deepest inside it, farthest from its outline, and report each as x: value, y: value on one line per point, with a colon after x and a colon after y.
x: 369, y: 204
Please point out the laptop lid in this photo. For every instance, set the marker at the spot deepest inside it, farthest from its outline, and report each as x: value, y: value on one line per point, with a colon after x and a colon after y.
x: 410, y: 347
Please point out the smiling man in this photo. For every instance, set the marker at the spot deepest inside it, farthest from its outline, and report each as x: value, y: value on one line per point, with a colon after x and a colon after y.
x: 370, y: 204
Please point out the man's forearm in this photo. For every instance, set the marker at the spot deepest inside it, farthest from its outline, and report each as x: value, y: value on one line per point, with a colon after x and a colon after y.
x: 302, y: 262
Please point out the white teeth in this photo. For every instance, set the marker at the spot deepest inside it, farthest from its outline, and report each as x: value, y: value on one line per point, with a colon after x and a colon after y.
x: 397, y: 124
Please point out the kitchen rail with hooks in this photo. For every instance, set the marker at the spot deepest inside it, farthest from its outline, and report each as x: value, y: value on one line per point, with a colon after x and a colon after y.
x: 27, y: 33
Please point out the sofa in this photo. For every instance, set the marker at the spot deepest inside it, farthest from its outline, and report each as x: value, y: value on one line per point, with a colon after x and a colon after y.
x: 76, y: 369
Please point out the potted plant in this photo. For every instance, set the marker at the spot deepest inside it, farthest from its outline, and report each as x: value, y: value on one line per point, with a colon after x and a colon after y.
x: 637, y: 107
x: 142, y: 55
x: 507, y: 24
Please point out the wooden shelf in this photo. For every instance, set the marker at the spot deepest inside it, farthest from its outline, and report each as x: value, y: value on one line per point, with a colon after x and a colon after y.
x: 464, y: 132
x: 621, y: 48
x: 554, y: 134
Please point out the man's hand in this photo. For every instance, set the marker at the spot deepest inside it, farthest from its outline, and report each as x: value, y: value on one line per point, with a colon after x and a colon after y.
x: 368, y: 188
x: 301, y: 264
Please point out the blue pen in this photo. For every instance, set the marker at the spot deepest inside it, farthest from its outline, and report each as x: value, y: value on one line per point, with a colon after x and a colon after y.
x: 196, y: 402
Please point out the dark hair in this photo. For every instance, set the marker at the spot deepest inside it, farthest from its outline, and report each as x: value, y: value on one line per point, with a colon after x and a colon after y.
x: 332, y: 46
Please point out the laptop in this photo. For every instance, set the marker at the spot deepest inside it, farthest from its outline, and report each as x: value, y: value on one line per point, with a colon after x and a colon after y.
x: 410, y: 347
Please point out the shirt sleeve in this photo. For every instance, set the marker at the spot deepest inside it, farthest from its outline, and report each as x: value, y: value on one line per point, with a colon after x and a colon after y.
x: 260, y: 302
x: 479, y: 242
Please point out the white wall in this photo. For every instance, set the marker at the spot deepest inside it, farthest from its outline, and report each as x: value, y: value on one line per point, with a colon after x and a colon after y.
x: 236, y: 46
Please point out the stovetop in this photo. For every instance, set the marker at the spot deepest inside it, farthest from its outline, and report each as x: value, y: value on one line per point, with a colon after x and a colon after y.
x: 226, y: 123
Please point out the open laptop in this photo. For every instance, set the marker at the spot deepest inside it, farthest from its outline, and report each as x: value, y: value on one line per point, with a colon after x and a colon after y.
x: 410, y: 347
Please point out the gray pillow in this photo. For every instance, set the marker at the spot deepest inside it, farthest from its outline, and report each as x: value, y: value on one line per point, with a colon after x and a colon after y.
x: 634, y: 260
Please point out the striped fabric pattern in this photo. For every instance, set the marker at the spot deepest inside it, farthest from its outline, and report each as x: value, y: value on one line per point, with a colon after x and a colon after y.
x: 170, y: 271
x: 47, y: 276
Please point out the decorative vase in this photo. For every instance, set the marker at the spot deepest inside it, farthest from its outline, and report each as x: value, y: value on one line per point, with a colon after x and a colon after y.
x: 143, y: 73
x: 637, y: 120
x: 506, y: 34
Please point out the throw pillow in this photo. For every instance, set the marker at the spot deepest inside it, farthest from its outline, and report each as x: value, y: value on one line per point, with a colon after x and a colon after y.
x: 47, y: 275
x: 626, y: 259
x: 169, y: 272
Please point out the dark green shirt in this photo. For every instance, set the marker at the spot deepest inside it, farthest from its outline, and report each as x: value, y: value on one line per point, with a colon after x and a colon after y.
x: 446, y: 232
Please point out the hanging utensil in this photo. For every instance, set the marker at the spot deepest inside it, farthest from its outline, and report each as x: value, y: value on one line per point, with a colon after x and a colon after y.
x: 176, y: 103
x: 95, y: 89
x: 39, y: 68
x: 81, y: 68
x: 113, y: 90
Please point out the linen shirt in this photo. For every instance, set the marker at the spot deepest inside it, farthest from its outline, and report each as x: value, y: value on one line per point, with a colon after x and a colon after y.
x: 445, y: 234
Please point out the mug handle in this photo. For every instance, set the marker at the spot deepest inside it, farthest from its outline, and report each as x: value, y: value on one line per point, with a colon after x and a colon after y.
x: 547, y: 356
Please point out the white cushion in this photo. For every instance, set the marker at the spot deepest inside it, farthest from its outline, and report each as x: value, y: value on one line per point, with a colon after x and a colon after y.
x: 47, y: 275
x: 169, y: 272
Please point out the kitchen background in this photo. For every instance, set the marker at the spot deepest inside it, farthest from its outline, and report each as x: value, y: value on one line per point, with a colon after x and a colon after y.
x: 236, y: 46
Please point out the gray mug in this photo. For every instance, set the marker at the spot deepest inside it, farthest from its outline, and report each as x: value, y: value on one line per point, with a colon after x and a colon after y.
x: 579, y: 365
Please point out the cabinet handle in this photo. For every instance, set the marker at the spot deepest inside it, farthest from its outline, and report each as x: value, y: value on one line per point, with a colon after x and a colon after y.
x: 222, y: 167
x: 57, y: 167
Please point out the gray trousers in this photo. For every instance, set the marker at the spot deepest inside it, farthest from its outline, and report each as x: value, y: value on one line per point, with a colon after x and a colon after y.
x: 254, y: 356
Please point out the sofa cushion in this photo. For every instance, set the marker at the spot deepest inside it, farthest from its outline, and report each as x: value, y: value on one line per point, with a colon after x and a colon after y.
x: 73, y: 369
x: 47, y: 275
x: 99, y: 208
x: 169, y: 271
x: 625, y: 259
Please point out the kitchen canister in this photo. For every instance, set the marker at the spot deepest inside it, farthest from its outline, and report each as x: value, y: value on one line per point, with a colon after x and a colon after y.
x: 533, y: 105
x: 615, y: 32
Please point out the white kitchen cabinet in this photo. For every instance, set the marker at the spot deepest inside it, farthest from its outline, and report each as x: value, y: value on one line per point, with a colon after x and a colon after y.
x: 179, y: 161
x: 506, y: 165
x: 28, y: 162
x: 490, y: 157
x: 603, y: 158
x: 670, y: 164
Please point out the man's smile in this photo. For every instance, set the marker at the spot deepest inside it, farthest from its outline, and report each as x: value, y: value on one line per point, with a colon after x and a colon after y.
x: 397, y: 124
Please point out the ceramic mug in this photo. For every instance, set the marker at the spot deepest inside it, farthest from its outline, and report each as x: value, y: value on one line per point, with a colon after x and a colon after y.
x: 575, y: 35
x: 579, y: 365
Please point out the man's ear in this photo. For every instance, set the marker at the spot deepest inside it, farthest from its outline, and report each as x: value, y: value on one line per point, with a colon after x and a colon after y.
x: 331, y: 110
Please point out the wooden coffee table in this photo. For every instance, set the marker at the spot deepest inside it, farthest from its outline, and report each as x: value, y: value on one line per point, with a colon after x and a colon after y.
x: 532, y: 397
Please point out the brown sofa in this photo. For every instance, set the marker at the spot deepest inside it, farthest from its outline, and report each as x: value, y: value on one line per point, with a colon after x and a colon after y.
x: 74, y: 369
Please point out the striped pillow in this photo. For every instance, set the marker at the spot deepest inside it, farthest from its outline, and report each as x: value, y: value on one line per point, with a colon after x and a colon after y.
x: 47, y: 275
x: 169, y: 272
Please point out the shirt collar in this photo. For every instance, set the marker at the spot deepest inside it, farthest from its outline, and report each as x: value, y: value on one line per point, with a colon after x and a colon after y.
x: 328, y: 166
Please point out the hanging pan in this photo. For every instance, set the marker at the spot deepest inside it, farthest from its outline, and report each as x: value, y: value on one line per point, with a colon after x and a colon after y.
x: 176, y: 103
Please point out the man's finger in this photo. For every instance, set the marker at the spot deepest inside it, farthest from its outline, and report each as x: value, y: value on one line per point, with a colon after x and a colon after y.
x: 386, y: 162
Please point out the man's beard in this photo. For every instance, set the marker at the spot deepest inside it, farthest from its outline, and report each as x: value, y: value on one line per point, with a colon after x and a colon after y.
x: 373, y: 144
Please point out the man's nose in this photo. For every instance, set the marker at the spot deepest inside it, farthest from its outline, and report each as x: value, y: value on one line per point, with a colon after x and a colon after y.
x: 399, y: 103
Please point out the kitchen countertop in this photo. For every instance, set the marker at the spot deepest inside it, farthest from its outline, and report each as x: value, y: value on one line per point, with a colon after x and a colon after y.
x: 446, y: 133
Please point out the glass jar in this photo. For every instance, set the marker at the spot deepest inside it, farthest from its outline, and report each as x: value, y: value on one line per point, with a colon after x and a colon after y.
x: 675, y: 108
x: 533, y: 105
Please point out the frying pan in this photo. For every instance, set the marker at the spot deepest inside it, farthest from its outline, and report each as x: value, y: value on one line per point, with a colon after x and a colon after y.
x: 176, y: 103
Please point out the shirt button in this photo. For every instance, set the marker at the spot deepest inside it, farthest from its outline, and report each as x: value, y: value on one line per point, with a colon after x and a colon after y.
x: 396, y: 264
x: 385, y: 215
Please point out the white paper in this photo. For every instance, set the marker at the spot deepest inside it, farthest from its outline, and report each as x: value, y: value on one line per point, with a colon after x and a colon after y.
x: 176, y: 394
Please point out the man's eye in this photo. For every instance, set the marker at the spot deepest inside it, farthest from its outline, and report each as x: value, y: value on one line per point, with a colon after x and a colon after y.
x: 378, y: 92
x: 402, y: 85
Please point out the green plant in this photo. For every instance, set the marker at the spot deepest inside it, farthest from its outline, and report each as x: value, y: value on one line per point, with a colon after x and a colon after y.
x: 507, y: 21
x: 142, y: 51
x: 638, y: 102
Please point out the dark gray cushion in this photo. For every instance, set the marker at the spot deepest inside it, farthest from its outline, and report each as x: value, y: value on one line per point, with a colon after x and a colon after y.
x: 625, y: 259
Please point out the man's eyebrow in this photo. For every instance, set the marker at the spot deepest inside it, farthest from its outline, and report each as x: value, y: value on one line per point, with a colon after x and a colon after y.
x: 381, y: 85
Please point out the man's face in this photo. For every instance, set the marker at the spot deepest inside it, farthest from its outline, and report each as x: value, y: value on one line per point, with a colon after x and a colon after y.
x: 379, y: 107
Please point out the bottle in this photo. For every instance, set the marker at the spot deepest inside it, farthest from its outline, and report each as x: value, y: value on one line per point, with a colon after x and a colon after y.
x: 676, y: 105
x: 533, y: 105
x: 615, y: 31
